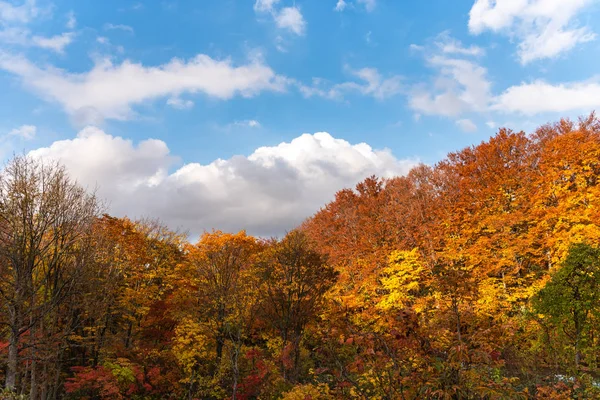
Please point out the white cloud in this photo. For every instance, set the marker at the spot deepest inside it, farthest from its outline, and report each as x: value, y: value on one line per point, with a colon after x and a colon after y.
x: 280, y: 44
x: 56, y: 43
x: 18, y: 14
x: 26, y: 132
x: 373, y: 84
x: 466, y: 125
x: 449, y: 45
x: 369, y: 5
x: 340, y: 5
x: 71, y: 20
x: 119, y: 27
x: 268, y: 192
x: 22, y: 37
x: 544, y: 28
x: 539, y: 97
x: 265, y: 5
x: 290, y: 18
x: 103, y: 40
x: 491, y: 124
x: 14, y: 20
x: 14, y: 35
x: 179, y: 103
x: 110, y: 91
x: 461, y: 86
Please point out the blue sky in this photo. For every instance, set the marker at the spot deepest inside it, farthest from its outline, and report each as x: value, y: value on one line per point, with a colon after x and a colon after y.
x: 195, y: 110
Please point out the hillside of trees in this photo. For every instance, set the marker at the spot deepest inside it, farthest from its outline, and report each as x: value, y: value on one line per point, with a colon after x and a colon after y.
x: 475, y: 278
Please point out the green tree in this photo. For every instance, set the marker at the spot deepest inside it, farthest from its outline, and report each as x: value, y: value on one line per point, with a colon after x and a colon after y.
x: 572, y: 297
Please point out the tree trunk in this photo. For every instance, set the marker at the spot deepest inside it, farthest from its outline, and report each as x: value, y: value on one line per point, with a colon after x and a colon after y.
x: 235, y: 355
x: 577, y: 346
x: 56, y: 384
x: 33, y: 392
x: 296, y: 359
x: 44, y: 392
x: 13, y: 358
x: 457, y: 313
x: 220, y: 345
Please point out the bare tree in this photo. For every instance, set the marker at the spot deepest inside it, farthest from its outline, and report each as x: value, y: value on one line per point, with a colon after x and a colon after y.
x: 45, y: 230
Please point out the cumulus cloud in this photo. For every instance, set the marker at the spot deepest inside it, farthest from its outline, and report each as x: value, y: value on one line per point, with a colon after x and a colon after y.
x: 466, y: 125
x: 268, y: 192
x: 544, y: 28
x: 287, y: 18
x: 371, y: 83
x: 26, y: 132
x: 110, y: 91
x: 539, y: 97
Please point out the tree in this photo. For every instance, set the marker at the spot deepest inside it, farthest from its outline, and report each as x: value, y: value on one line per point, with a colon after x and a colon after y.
x: 294, y: 280
x: 220, y: 271
x: 46, y: 222
x: 122, y: 313
x: 572, y: 297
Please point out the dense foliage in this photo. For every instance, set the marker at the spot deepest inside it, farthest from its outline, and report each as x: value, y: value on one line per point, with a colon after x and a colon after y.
x: 476, y: 278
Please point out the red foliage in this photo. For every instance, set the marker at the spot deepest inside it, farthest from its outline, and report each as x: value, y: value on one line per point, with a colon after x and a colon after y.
x: 250, y: 386
x: 100, y: 382
x: 93, y: 382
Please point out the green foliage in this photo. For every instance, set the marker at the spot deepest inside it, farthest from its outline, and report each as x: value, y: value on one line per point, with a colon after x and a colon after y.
x: 571, y: 300
x: 574, y: 290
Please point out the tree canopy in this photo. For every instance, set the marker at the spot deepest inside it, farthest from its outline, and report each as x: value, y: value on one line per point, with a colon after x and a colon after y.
x: 474, y: 278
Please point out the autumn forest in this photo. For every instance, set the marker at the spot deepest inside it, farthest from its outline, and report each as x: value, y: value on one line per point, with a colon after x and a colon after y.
x: 475, y: 278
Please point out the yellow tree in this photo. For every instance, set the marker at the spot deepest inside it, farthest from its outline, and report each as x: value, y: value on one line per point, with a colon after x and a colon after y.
x: 219, y: 270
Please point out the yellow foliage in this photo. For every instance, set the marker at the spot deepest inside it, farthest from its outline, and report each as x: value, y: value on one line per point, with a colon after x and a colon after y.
x: 401, y: 279
x: 190, y: 345
x: 308, y: 392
